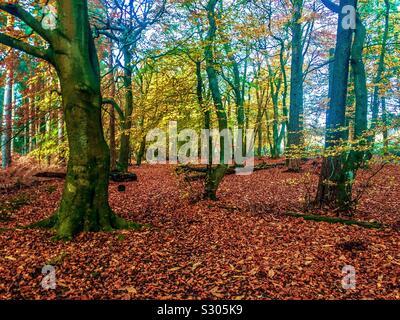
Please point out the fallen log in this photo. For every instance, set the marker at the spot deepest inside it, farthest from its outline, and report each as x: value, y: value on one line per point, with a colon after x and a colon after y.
x: 48, y: 174
x: 195, y: 177
x: 318, y: 218
x: 114, y: 176
x: 230, y: 170
x: 258, y: 167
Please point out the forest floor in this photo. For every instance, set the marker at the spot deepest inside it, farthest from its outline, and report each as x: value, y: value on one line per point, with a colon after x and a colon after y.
x: 240, y: 247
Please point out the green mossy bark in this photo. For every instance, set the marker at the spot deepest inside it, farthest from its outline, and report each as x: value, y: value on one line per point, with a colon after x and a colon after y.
x: 212, y: 181
x: 84, y: 204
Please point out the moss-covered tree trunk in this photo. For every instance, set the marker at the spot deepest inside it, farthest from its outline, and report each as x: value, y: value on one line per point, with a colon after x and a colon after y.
x: 84, y: 204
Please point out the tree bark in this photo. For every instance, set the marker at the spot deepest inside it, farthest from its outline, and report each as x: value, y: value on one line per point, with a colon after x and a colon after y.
x: 124, y: 147
x: 380, y: 70
x: 295, y: 130
x: 216, y: 173
x: 113, y: 151
x: 7, y: 119
x: 333, y: 183
x: 84, y: 204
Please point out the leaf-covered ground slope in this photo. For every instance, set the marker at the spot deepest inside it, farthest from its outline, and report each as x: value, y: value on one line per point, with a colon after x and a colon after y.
x: 241, y: 247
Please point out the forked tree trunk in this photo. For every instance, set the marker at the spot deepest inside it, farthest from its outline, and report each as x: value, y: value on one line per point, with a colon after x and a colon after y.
x: 275, y: 87
x: 215, y: 174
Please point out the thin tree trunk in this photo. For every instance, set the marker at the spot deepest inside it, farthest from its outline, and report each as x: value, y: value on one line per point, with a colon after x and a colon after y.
x: 380, y: 70
x: 124, y: 149
x: 113, y: 151
x: 295, y: 130
x: 385, y: 127
x: 356, y: 155
x: 7, y: 119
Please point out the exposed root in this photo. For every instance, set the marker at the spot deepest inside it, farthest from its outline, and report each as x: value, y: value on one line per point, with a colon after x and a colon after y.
x: 65, y: 233
x: 48, y: 223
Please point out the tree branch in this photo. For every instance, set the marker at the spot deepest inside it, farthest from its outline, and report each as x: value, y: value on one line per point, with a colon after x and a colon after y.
x: 115, y: 105
x: 25, y: 47
x: 26, y: 17
x: 331, y: 6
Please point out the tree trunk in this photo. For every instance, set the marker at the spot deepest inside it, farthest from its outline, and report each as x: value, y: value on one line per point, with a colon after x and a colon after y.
x: 333, y: 183
x: 237, y: 88
x: 275, y: 87
x: 71, y: 50
x: 113, y: 151
x: 26, y: 124
x: 259, y: 130
x: 140, y: 154
x: 360, y: 88
x: 124, y: 149
x: 215, y: 174
x: 32, y: 119
x: 84, y: 204
x: 355, y: 157
x: 7, y: 120
x: 380, y: 70
x: 295, y: 130
x: 385, y: 127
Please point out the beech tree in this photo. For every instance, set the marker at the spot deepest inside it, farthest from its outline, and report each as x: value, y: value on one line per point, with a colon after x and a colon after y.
x: 333, y: 187
x: 216, y: 173
x: 70, y: 49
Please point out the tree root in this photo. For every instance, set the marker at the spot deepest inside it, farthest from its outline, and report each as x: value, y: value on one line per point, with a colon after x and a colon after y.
x: 116, y: 223
x: 47, y: 223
